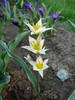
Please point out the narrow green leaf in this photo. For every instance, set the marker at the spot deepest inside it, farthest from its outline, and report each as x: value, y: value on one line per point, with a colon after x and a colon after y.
x: 73, y: 24
x: 22, y: 2
x: 11, y: 45
x: 7, y: 12
x: 72, y: 97
x: 1, y: 29
x: 15, y: 12
x: 21, y: 28
x: 0, y: 97
x: 4, y: 79
x: 23, y: 65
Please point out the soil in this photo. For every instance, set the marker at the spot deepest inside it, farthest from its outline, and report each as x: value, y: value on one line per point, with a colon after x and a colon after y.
x: 61, y: 54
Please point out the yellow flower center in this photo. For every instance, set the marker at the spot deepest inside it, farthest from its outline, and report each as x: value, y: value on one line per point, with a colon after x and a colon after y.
x: 36, y: 45
x: 39, y: 65
x: 36, y: 27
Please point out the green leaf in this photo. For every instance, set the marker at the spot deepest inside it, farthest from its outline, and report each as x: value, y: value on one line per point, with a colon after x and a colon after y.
x: 23, y: 65
x: 1, y: 29
x: 4, y: 79
x: 0, y: 97
x: 72, y: 97
x: 7, y: 12
x: 15, y: 12
x: 21, y: 28
x: 2, y: 56
x: 73, y: 25
x: 11, y: 45
x: 22, y: 2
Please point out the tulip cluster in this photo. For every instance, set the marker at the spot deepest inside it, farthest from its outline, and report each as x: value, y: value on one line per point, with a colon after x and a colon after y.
x: 37, y: 46
x: 41, y: 10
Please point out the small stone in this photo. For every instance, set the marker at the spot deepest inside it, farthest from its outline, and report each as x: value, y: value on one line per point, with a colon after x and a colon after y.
x: 55, y: 97
x: 62, y: 74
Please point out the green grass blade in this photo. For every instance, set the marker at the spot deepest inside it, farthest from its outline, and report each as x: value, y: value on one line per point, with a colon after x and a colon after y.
x: 73, y: 24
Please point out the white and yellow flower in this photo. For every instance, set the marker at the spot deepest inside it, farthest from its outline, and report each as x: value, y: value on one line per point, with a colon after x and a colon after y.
x: 39, y: 65
x: 38, y: 28
x: 36, y: 46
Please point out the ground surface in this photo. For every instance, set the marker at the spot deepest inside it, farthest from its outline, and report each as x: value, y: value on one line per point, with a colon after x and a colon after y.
x: 61, y: 54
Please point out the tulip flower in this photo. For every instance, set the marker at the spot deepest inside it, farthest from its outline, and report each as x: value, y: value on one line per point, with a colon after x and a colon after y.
x: 37, y: 2
x: 55, y: 15
x: 3, y: 2
x: 27, y: 6
x: 36, y: 46
x: 41, y: 11
x: 16, y: 23
x: 38, y: 28
x: 39, y: 65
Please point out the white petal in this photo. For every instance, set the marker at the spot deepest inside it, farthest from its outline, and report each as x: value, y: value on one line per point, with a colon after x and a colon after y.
x: 34, y: 68
x: 45, y: 61
x: 31, y: 28
x: 29, y: 48
x: 31, y: 40
x: 28, y: 58
x: 46, y: 29
x: 32, y: 33
x: 41, y: 43
x: 39, y: 59
x: 45, y: 64
x: 43, y: 51
x: 45, y: 67
x: 41, y: 73
x: 39, y: 22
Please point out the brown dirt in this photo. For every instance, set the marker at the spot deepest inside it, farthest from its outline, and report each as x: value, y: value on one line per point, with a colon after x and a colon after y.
x: 61, y: 54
